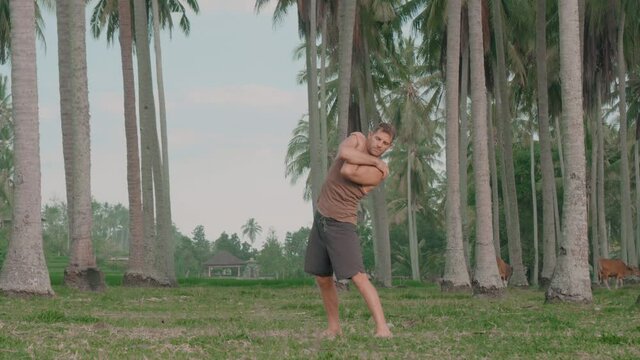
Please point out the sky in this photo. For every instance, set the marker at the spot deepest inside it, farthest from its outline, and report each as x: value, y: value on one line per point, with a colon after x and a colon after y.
x: 232, y: 103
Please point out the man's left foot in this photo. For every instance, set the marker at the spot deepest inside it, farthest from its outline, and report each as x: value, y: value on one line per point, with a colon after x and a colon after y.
x: 383, y: 334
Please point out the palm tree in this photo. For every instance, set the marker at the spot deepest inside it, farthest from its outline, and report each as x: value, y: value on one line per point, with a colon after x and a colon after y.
x: 346, y: 21
x: 24, y: 270
x: 455, y: 275
x: 251, y: 229
x: 136, y: 264
x: 110, y: 15
x: 413, y: 97
x: 504, y: 113
x: 82, y: 272
x: 570, y: 281
x: 486, y: 279
x: 548, y: 176
x: 629, y: 254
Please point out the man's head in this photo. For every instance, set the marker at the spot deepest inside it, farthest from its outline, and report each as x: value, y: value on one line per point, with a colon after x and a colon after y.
x: 380, y: 139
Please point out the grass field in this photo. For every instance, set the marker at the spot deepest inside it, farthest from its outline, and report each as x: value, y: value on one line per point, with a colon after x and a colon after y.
x: 209, y: 319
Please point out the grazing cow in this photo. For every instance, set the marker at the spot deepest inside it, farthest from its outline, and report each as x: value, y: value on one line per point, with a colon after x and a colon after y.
x: 614, y: 268
x: 505, y: 270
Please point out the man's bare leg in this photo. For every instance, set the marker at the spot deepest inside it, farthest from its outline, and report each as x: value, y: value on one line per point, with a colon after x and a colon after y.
x: 330, y: 299
x: 372, y: 299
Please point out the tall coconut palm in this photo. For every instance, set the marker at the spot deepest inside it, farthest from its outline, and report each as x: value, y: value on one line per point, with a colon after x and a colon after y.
x: 629, y: 254
x: 82, y: 272
x: 135, y: 265
x: 513, y: 220
x: 24, y: 270
x: 455, y: 275
x: 486, y: 279
x: 251, y: 229
x: 149, y: 154
x: 570, y: 281
x: 548, y: 176
x: 165, y: 230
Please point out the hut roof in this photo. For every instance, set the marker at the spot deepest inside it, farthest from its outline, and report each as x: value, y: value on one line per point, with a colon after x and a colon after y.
x: 224, y: 258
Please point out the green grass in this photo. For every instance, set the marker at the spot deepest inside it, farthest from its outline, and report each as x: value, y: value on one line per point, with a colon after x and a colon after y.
x: 280, y: 319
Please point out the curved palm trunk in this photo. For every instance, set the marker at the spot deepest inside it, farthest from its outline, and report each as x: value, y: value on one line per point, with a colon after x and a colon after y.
x: 486, y: 279
x: 455, y: 275
x: 347, y: 16
x: 82, y: 272
x: 628, y: 244
x: 24, y: 270
x: 519, y: 277
x: 135, y: 266
x: 546, y: 161
x: 570, y: 281
x: 165, y: 231
x: 312, y: 92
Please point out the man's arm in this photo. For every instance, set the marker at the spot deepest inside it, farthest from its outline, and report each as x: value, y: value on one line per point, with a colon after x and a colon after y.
x: 353, y: 151
x: 366, y: 175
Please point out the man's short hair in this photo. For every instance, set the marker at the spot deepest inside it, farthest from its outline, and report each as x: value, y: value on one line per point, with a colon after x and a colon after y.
x: 387, y: 128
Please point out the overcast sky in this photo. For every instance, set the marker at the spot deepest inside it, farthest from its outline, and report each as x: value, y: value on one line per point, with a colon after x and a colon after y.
x: 232, y: 102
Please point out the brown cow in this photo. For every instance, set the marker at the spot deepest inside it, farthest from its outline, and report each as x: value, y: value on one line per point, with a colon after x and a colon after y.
x: 505, y: 270
x: 615, y: 268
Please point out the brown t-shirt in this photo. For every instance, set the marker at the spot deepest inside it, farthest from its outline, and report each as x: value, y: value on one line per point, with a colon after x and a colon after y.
x: 339, y: 197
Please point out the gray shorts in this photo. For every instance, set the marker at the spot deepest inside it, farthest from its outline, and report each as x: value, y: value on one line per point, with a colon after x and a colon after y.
x: 333, y: 247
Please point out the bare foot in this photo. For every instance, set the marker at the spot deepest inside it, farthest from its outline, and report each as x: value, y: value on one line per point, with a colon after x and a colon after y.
x: 384, y: 333
x: 330, y: 334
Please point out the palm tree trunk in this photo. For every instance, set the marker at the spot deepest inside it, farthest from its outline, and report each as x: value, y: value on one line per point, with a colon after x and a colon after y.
x: 464, y: 139
x: 519, y: 278
x: 324, y: 152
x: 382, y: 243
x: 413, y: 241
x: 135, y: 266
x: 602, y: 221
x: 495, y: 198
x: 628, y: 248
x: 147, y: 117
x: 560, y: 150
x: 570, y: 281
x: 312, y: 92
x: 24, y: 270
x: 636, y: 163
x: 593, y: 196
x: 347, y: 16
x: 534, y: 196
x: 165, y: 231
x: 66, y: 105
x: 82, y: 272
x: 456, y: 276
x: 486, y: 279
x: 546, y: 161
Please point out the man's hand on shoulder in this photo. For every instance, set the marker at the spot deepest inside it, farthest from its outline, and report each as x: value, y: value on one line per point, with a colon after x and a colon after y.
x: 383, y: 167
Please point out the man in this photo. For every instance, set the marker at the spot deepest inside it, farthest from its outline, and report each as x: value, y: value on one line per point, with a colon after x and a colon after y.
x: 333, y: 245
